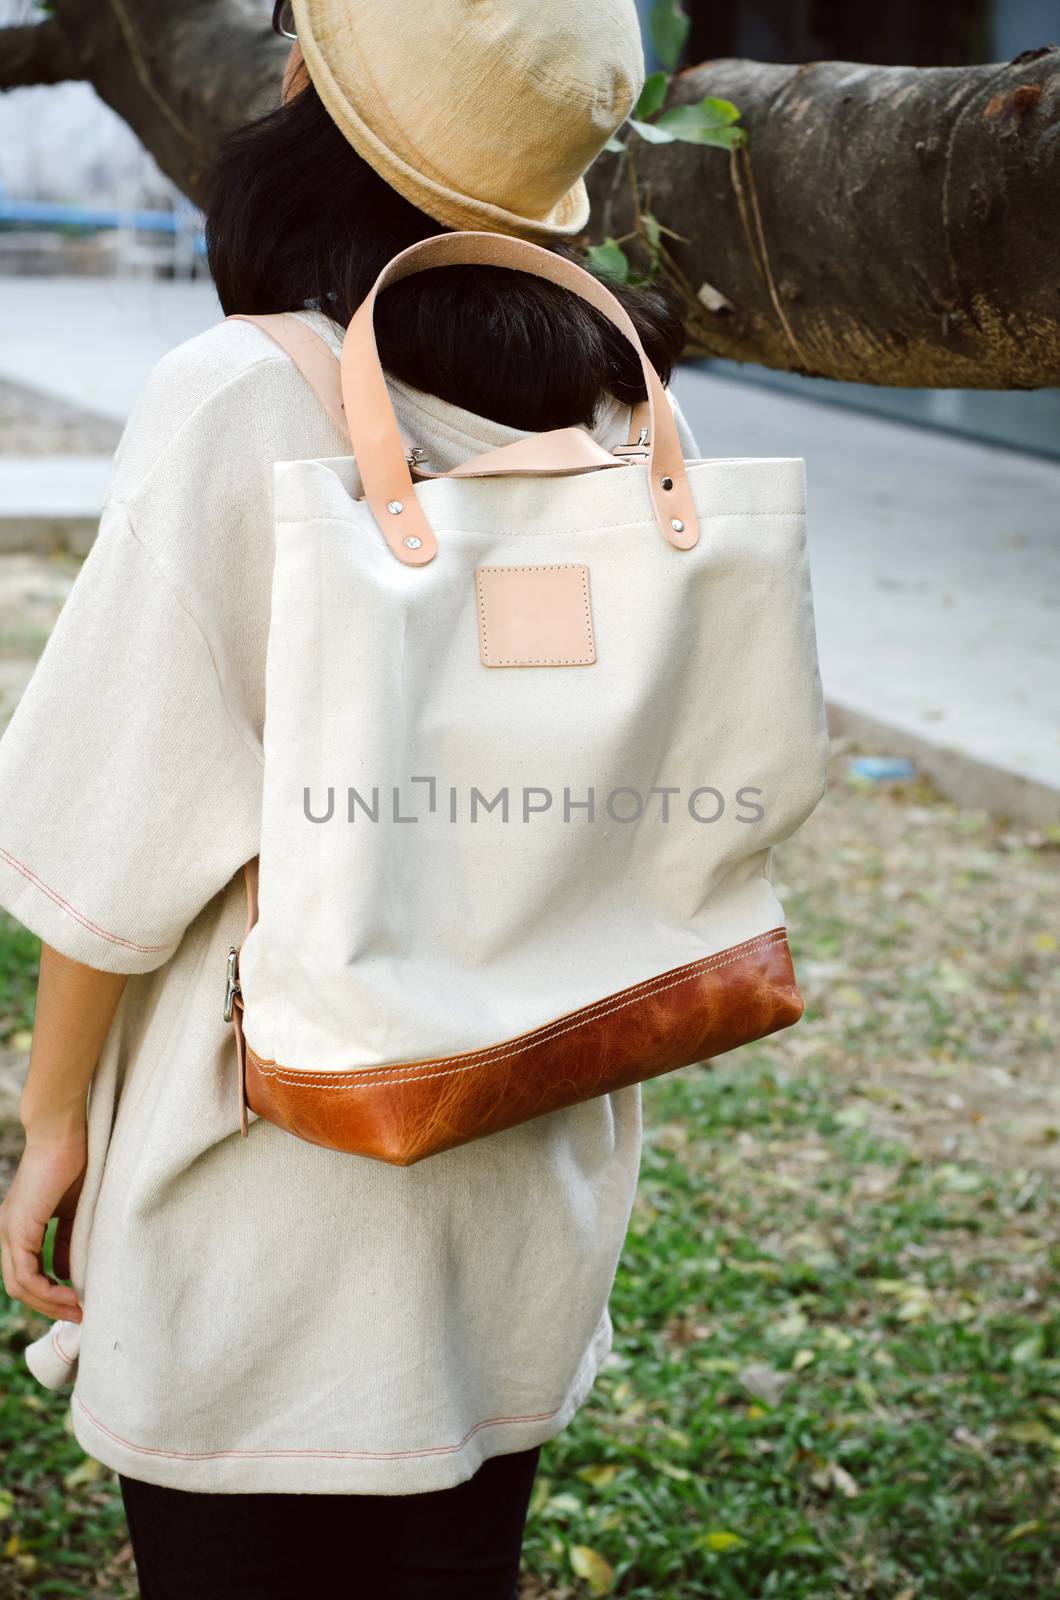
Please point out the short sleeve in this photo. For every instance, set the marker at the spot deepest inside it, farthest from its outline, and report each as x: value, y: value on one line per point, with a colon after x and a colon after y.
x: 129, y: 796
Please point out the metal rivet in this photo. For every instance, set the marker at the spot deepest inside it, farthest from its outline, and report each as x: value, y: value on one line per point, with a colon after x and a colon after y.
x: 394, y: 507
x: 667, y: 483
x: 412, y: 542
x: 677, y: 525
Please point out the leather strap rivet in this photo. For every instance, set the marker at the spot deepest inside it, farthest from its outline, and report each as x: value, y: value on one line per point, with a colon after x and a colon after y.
x: 395, y: 507
x: 677, y: 525
x: 412, y: 543
x: 667, y: 483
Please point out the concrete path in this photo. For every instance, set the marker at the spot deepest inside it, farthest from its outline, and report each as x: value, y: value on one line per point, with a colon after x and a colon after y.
x: 51, y: 502
x: 92, y: 341
x: 936, y: 561
x: 936, y: 570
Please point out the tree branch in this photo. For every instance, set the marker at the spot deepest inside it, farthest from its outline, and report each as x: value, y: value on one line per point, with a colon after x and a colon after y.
x: 908, y: 215
x: 37, y: 52
x: 889, y: 225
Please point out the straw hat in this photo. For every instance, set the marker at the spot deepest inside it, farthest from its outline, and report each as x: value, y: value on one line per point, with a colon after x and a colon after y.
x: 483, y: 113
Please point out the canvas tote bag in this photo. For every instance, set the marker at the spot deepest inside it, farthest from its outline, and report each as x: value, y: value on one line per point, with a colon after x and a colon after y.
x: 532, y: 729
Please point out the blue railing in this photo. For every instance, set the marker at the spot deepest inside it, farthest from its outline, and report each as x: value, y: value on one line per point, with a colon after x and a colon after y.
x: 59, y: 214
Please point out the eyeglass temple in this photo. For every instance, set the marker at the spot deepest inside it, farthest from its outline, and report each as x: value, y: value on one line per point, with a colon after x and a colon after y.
x: 278, y: 11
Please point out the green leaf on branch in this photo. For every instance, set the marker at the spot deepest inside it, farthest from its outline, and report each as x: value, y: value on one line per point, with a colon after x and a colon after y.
x: 709, y: 121
x: 651, y: 132
x: 652, y: 95
x: 668, y: 26
x: 615, y: 145
x: 610, y: 259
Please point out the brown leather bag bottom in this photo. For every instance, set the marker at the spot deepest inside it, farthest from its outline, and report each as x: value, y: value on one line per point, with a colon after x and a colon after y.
x: 402, y: 1113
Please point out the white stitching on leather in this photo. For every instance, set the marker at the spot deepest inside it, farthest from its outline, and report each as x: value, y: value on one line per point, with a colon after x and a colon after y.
x: 586, y: 1013
x: 528, y: 1041
x: 537, y: 661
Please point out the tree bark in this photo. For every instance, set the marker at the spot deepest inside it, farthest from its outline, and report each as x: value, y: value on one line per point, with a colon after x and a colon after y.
x: 179, y: 73
x: 890, y: 225
x: 35, y: 53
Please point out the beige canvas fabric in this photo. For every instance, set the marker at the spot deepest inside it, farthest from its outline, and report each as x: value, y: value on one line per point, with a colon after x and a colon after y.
x: 520, y: 843
x: 262, y: 1314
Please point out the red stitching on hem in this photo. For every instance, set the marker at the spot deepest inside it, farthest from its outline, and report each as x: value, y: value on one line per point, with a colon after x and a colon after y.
x: 59, y: 1351
x: 93, y: 927
x: 324, y: 1455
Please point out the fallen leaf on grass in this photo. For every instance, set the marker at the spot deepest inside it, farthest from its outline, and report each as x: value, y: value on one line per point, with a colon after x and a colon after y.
x: 600, y: 1475
x: 542, y: 1490
x: 591, y: 1566
x: 564, y: 1505
x: 765, y: 1383
x: 847, y: 995
x: 1030, y: 1349
x: 833, y: 1476
x: 836, y: 1338
x: 87, y: 1472
x: 914, y: 1298
x: 1031, y: 1433
x: 1020, y: 1531
x: 971, y: 1440
x: 720, y: 1540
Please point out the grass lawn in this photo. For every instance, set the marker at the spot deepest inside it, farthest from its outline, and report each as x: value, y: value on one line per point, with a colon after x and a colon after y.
x: 19, y: 953
x: 837, y: 1360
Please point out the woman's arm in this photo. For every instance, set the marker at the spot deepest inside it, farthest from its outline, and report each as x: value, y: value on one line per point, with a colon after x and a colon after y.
x: 75, y: 1008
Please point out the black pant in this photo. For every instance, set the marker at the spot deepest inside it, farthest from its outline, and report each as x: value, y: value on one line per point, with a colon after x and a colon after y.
x: 448, y: 1544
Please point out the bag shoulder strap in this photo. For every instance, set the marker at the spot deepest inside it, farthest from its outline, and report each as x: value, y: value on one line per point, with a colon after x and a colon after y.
x: 563, y: 450
x: 312, y: 355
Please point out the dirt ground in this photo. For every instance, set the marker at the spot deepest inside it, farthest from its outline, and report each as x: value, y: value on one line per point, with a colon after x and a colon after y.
x: 925, y: 939
x: 33, y: 424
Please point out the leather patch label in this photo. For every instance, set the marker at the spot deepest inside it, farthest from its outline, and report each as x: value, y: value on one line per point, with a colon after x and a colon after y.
x: 534, y: 616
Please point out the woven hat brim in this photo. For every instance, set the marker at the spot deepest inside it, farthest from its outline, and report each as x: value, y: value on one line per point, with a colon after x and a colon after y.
x: 567, y: 217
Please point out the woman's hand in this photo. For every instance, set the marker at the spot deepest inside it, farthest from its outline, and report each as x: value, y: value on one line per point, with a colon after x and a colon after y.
x: 46, y: 1184
x: 75, y: 1007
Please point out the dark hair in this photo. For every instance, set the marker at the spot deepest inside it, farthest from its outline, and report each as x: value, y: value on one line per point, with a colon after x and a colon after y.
x: 295, y: 219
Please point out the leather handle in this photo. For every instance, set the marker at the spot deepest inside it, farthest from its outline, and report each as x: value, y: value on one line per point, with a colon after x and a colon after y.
x: 373, y: 427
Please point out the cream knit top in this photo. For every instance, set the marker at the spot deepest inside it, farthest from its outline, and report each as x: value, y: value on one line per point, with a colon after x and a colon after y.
x: 263, y: 1314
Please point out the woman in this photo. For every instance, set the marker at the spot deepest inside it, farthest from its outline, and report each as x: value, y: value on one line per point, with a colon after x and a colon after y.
x: 295, y: 1358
